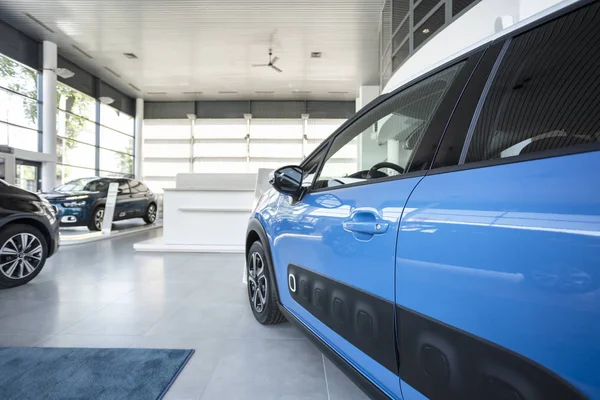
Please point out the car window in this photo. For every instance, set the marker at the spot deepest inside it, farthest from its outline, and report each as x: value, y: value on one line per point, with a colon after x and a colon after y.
x: 545, y: 95
x: 137, y: 187
x: 124, y: 187
x: 382, y: 142
x: 76, y: 185
x: 100, y: 185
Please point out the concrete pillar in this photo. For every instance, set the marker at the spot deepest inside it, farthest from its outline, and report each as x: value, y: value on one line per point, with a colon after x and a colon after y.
x: 369, y: 153
x: 139, y: 126
x: 49, y: 114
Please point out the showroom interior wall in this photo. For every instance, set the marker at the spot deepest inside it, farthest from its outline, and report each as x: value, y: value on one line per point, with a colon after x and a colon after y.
x: 234, y: 136
x: 93, y: 139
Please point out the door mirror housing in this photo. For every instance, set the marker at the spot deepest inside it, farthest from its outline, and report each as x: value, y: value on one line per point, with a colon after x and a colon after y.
x: 288, y: 180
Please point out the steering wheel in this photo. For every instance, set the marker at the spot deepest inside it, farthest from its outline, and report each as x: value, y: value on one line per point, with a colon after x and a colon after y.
x: 384, y: 164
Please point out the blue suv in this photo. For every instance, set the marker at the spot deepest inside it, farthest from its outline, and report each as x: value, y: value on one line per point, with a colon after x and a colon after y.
x: 444, y: 243
x: 81, y: 202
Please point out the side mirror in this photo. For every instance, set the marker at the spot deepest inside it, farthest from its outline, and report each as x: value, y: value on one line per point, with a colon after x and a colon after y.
x: 288, y: 180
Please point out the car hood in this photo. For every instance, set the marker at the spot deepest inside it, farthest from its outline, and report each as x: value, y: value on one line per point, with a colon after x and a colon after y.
x: 58, y: 196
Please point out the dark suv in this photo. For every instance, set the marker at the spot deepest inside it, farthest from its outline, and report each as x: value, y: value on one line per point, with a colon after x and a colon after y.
x: 28, y: 234
x: 81, y: 202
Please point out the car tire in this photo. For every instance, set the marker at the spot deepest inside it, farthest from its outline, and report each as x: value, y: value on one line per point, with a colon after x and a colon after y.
x: 261, y: 293
x: 150, y: 216
x: 93, y: 222
x: 23, y: 253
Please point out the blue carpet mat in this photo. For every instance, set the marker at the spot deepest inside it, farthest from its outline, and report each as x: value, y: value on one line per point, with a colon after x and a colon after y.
x: 77, y: 373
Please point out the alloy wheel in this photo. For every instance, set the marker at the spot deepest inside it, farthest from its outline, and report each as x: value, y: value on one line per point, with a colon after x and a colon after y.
x: 257, y: 282
x: 152, y: 213
x: 98, y: 219
x: 20, y: 256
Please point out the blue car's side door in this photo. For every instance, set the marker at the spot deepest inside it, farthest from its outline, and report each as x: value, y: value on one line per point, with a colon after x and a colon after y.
x: 498, y: 272
x: 334, y: 249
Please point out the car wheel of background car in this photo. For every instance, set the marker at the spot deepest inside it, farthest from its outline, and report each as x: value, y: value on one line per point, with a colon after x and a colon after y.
x: 96, y: 219
x: 263, y: 301
x: 150, y: 216
x: 23, y: 251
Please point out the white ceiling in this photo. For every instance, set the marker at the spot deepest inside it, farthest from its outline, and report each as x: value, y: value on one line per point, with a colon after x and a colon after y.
x: 208, y: 45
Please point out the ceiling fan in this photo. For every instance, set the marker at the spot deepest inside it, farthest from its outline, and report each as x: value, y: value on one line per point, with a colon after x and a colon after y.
x: 272, y: 61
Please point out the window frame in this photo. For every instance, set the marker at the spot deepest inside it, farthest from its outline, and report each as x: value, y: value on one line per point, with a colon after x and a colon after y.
x: 472, y: 106
x: 125, y: 182
x: 438, y: 123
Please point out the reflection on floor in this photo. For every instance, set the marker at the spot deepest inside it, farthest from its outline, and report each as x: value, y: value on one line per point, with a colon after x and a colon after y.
x: 116, y: 226
x: 103, y: 294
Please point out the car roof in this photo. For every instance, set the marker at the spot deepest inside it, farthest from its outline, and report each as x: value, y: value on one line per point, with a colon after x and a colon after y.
x: 392, y: 86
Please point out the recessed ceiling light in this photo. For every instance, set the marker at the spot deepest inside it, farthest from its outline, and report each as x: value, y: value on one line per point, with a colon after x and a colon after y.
x: 227, y: 92
x: 192, y: 92
x: 131, y: 56
x: 264, y: 91
x: 106, y: 100
x: 65, y: 73
x: 82, y: 52
x: 337, y: 92
x: 316, y: 54
x: 426, y: 30
x: 157, y: 92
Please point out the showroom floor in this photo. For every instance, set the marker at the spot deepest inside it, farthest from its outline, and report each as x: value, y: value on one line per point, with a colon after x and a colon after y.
x: 104, y: 294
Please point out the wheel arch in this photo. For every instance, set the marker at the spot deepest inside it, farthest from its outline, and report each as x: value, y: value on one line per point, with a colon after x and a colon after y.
x: 24, y: 220
x: 256, y: 232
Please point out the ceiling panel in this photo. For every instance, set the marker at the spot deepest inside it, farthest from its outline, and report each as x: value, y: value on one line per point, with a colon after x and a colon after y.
x: 208, y: 46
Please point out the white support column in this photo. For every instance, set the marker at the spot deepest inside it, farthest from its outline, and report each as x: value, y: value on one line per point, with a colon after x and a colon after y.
x: 49, y: 115
x: 368, y: 151
x: 139, y: 126
x: 248, y: 118
x: 192, y: 118
x: 304, y: 137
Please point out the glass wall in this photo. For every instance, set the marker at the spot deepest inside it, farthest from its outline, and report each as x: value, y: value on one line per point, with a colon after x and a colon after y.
x: 19, y: 107
x: 226, y: 145
x: 88, y: 145
x: 407, y: 24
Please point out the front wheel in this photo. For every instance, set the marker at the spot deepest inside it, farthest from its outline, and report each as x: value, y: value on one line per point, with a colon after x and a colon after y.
x: 150, y: 216
x: 23, y: 253
x: 95, y: 223
x: 261, y: 293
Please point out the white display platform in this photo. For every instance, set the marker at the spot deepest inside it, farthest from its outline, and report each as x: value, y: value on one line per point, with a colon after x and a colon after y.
x: 205, y: 213
x: 88, y: 237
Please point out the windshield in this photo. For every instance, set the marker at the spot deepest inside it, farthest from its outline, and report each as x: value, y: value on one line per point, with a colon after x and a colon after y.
x: 74, y: 186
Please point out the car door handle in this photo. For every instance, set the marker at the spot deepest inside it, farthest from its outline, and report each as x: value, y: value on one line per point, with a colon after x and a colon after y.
x: 371, y: 228
x: 367, y: 222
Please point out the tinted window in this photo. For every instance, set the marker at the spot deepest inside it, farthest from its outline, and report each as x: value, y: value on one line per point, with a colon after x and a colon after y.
x: 546, y: 94
x: 124, y: 187
x: 388, y: 134
x: 100, y: 185
x: 137, y: 187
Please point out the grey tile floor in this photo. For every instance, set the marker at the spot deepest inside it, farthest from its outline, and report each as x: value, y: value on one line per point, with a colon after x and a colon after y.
x: 104, y: 294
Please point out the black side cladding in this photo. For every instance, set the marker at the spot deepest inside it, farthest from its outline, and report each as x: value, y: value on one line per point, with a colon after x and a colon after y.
x: 443, y: 362
x: 365, y: 320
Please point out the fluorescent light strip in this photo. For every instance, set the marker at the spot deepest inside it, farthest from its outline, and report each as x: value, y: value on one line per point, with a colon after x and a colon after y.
x: 112, y: 72
x: 82, y: 52
x: 40, y: 23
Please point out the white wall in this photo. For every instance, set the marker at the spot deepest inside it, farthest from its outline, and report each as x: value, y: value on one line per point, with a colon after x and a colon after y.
x: 474, y: 26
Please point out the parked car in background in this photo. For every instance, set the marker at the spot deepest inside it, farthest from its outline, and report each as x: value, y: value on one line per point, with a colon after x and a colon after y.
x: 81, y: 202
x: 459, y: 256
x: 28, y: 234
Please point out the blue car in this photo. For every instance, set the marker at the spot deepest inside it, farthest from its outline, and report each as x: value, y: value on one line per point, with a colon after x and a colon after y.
x: 81, y: 202
x: 444, y: 242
